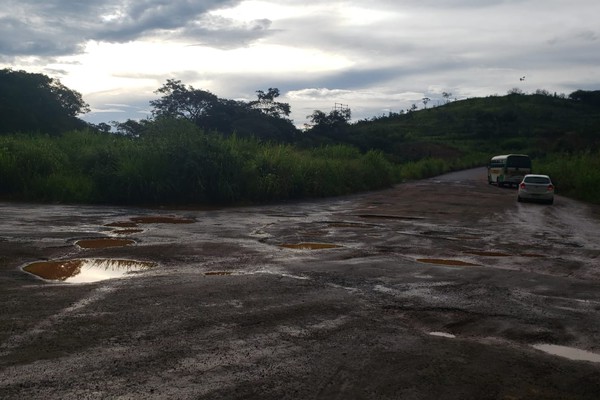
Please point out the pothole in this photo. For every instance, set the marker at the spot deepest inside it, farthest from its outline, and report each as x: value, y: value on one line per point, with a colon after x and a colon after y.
x: 571, y: 353
x: 85, y: 270
x: 310, y: 246
x: 158, y: 219
x: 440, y: 261
x: 103, y: 243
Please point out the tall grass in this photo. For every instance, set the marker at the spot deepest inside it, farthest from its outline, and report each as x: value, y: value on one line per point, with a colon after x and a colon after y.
x: 176, y: 163
x: 575, y: 175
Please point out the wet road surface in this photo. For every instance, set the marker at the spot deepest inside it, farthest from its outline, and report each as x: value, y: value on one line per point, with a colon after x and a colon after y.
x: 444, y: 288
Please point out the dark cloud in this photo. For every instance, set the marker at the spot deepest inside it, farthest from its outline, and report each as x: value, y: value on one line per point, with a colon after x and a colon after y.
x: 61, y: 27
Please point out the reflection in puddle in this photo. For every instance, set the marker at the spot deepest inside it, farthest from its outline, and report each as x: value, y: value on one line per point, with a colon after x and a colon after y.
x: 310, y: 246
x: 85, y: 270
x: 446, y: 262
x: 568, y: 352
x: 103, y: 243
x: 442, y: 334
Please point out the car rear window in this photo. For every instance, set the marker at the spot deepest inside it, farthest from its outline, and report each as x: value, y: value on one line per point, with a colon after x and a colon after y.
x: 536, y: 179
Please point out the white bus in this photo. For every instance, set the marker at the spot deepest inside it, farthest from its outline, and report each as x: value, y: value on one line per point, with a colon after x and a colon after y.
x: 508, y: 169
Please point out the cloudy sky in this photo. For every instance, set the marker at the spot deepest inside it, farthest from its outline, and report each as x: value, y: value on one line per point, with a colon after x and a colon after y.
x: 375, y: 56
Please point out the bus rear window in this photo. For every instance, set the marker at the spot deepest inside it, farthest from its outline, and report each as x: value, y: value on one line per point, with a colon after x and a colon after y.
x: 518, y: 162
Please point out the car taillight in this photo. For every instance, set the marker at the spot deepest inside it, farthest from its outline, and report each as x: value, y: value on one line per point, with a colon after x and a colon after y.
x: 550, y: 188
x: 522, y: 185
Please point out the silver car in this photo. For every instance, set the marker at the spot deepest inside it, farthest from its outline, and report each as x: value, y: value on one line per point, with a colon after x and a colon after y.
x: 536, y: 188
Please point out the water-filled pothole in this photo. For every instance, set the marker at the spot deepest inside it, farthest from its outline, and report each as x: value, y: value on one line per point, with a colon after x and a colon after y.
x: 568, y: 352
x: 439, y: 261
x: 310, y: 246
x: 103, y: 243
x: 85, y: 270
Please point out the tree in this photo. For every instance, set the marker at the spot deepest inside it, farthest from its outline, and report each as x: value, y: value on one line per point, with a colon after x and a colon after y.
x: 131, y: 127
x: 267, y: 104
x: 179, y: 101
x: 586, y: 96
x: 260, y: 119
x: 331, y: 124
x: 425, y: 101
x: 446, y: 96
x: 37, y: 103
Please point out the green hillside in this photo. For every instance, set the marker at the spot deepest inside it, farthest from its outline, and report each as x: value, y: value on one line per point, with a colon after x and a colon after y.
x: 535, y: 124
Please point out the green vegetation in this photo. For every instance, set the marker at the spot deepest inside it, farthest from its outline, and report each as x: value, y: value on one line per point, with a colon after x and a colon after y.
x: 198, y: 148
x: 179, y: 164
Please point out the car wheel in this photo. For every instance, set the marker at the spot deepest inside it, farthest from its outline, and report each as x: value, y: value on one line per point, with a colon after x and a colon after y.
x: 551, y: 201
x: 519, y: 199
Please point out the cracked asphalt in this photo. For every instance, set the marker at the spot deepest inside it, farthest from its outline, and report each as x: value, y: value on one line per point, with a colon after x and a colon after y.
x: 445, y: 288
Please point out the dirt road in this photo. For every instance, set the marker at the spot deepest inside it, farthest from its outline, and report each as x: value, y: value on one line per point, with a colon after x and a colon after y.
x: 438, y: 289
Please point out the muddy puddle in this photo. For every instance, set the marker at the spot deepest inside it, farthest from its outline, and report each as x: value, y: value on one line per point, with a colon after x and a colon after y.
x: 218, y: 273
x: 103, y: 243
x: 571, y: 353
x: 85, y: 270
x: 310, y: 246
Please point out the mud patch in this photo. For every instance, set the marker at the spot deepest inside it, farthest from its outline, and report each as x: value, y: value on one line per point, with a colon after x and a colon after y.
x: 85, y: 270
x: 439, y: 261
x: 568, y: 352
x: 310, y: 246
x: 157, y: 219
x: 103, y: 243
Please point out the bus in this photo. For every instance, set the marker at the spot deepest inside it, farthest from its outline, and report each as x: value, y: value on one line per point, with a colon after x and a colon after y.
x: 508, y: 169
